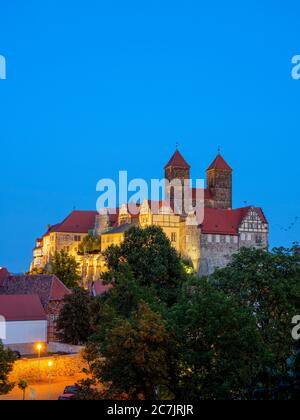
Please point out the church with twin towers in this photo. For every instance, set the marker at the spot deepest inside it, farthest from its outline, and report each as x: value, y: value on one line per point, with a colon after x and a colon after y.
x: 207, y: 244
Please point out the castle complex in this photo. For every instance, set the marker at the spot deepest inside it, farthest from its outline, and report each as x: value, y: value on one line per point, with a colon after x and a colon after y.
x: 207, y: 245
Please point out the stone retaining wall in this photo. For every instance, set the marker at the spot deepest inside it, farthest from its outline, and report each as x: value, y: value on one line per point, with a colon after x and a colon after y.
x: 34, y: 369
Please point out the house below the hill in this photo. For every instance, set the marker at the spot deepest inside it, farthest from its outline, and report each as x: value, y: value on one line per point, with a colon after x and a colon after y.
x: 23, y: 322
x: 49, y: 290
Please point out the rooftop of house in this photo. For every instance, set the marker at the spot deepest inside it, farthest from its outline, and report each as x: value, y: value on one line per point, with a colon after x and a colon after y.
x: 47, y: 287
x: 22, y: 308
x: 3, y: 274
x: 79, y: 221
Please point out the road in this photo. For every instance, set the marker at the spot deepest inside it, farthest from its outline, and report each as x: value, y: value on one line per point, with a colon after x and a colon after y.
x: 42, y: 391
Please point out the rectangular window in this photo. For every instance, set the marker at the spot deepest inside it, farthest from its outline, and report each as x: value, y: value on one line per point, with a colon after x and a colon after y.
x: 228, y: 239
x: 259, y: 239
x: 173, y: 237
x: 209, y: 238
x: 243, y: 236
x: 249, y: 236
x: 218, y: 239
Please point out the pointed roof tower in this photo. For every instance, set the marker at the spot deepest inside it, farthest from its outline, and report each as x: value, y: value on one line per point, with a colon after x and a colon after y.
x: 177, y: 161
x: 219, y: 163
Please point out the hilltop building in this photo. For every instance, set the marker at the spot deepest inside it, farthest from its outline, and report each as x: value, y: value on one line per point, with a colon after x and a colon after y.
x: 207, y: 246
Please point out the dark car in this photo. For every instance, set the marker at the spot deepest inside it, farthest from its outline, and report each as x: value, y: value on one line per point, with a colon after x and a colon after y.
x: 17, y: 354
x: 66, y: 397
x: 71, y: 389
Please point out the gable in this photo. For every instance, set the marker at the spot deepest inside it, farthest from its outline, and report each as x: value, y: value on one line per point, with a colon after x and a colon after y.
x: 253, y: 221
x: 22, y: 308
x: 47, y: 287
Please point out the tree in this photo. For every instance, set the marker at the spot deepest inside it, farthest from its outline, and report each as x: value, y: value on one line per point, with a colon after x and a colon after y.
x: 23, y: 385
x: 89, y: 245
x: 152, y: 260
x: 87, y: 391
x: 7, y: 359
x: 74, y: 322
x: 37, y: 271
x: 65, y: 268
x: 268, y: 283
x: 133, y: 357
x: 218, y: 346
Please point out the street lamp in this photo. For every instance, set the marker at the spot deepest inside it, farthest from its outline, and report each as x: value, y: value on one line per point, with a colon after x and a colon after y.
x: 50, y: 364
x: 39, y: 347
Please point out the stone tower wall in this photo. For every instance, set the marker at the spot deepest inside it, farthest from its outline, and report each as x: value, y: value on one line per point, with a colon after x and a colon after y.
x: 220, y: 184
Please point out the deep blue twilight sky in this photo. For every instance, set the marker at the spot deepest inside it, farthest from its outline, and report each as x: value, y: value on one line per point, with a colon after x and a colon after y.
x: 97, y: 86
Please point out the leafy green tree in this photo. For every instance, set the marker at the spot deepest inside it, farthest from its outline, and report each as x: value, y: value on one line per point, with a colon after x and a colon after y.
x: 87, y: 391
x: 127, y: 293
x: 74, y: 322
x: 152, y: 260
x: 269, y: 285
x: 65, y: 268
x: 7, y: 359
x: 218, y: 346
x: 89, y: 245
x: 133, y: 357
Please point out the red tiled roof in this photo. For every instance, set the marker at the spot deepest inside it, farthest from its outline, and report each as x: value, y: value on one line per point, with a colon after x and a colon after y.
x: 82, y: 221
x: 58, y: 290
x: 22, y: 308
x: 220, y: 163
x: 3, y: 275
x: 226, y: 222
x: 177, y: 161
x: 77, y: 222
x: 47, y: 287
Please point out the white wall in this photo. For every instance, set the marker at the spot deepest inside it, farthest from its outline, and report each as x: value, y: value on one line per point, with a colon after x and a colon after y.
x: 20, y: 332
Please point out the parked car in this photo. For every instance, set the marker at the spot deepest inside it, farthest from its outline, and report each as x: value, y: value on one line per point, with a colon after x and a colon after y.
x: 17, y: 354
x: 66, y: 397
x: 71, y: 389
